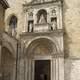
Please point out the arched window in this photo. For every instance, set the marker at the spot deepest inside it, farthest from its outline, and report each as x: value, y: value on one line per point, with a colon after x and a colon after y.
x: 13, y: 22
x: 13, y: 25
x: 42, y: 16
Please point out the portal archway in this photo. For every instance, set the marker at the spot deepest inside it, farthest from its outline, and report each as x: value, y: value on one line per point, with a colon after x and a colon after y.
x: 40, y: 52
x: 41, y: 47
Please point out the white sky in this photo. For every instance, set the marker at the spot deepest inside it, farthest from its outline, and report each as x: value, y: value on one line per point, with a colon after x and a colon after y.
x: 11, y: 2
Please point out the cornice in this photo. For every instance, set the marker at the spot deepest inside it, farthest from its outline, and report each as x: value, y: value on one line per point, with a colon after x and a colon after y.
x: 58, y: 32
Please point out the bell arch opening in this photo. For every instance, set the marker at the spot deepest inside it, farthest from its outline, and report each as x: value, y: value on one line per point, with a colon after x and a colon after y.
x: 7, y: 64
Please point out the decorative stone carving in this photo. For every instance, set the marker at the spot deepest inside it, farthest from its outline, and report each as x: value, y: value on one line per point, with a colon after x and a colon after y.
x: 54, y: 25
x: 30, y: 15
x: 41, y: 15
x: 42, y: 19
x: 40, y: 1
x: 30, y: 27
x: 53, y: 12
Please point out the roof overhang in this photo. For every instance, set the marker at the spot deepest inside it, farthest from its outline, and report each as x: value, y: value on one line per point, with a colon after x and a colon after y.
x: 4, y: 4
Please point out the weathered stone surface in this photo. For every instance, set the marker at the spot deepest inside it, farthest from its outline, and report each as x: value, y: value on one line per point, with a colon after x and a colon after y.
x: 72, y: 69
x: 71, y: 25
x: 71, y: 13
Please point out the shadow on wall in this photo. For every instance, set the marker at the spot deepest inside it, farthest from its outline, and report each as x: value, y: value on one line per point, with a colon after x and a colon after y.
x: 67, y: 42
x: 67, y: 69
x: 67, y: 39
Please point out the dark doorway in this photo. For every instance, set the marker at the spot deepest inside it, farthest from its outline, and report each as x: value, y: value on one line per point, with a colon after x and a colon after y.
x: 42, y: 70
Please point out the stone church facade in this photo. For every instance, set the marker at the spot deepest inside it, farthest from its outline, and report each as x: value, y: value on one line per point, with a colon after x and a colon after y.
x: 40, y: 41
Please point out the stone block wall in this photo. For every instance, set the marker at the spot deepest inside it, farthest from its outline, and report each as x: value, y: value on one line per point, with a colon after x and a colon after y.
x: 72, y: 69
x: 71, y: 24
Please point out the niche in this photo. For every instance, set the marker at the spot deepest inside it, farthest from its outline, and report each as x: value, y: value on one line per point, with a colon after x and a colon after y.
x: 30, y: 25
x: 53, y: 23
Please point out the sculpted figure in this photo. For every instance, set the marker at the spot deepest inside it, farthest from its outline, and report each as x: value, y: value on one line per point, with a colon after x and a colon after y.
x: 30, y: 27
x: 42, y: 19
x: 54, y: 25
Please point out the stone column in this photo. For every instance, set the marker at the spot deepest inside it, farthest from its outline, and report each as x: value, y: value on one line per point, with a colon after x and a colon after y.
x: 29, y: 69
x: 58, y: 17
x: 14, y: 71
x: 26, y: 69
x: 53, y: 69
x: 21, y: 63
x: 57, y: 69
x: 22, y: 70
x: 60, y: 14
x: 25, y: 21
x: 61, y: 68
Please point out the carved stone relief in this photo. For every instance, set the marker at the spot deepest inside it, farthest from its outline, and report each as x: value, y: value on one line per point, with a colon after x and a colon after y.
x: 53, y: 12
x: 30, y: 14
x: 40, y: 1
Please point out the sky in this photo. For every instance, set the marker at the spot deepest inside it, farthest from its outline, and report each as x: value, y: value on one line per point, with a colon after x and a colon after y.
x: 13, y: 1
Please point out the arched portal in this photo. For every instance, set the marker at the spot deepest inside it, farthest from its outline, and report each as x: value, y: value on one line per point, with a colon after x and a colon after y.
x: 39, y: 59
x: 41, y: 47
x: 7, y: 64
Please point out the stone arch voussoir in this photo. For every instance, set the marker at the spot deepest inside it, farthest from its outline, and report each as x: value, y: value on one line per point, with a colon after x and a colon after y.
x: 53, y: 41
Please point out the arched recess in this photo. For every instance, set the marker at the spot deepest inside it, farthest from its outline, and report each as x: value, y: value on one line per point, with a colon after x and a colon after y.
x: 9, y: 18
x: 41, y: 46
x: 9, y: 47
x: 42, y: 16
x: 12, y: 21
x: 7, y: 64
x: 44, y: 50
